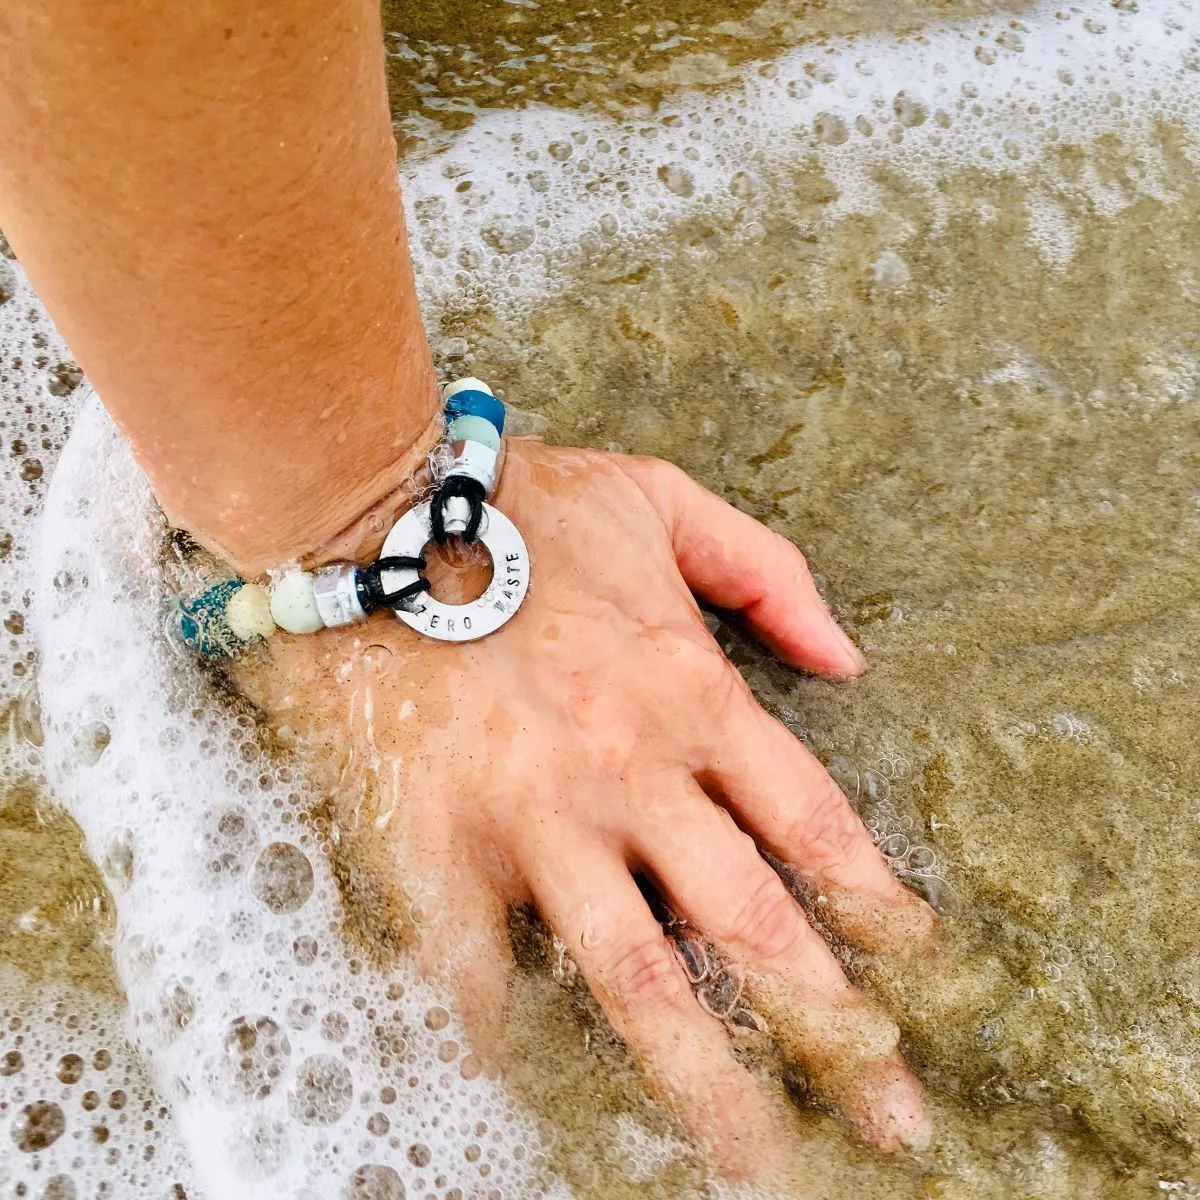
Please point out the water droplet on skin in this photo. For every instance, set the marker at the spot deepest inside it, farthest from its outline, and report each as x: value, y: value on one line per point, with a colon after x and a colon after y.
x: 377, y: 659
x: 425, y: 909
x: 589, y: 936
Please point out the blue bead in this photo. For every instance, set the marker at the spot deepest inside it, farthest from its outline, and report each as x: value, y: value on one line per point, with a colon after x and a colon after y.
x: 471, y: 403
x: 202, y: 624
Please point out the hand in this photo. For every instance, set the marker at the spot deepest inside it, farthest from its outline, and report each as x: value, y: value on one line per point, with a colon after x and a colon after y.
x: 600, y: 733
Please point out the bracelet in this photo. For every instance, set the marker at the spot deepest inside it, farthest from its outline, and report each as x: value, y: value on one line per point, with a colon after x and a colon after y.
x: 227, y: 616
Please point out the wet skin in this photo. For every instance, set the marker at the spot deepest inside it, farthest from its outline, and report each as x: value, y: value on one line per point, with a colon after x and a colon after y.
x: 603, y: 734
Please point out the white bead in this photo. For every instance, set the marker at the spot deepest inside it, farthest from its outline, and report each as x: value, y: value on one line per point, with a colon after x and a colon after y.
x: 248, y: 613
x: 463, y: 385
x: 476, y: 460
x: 294, y: 604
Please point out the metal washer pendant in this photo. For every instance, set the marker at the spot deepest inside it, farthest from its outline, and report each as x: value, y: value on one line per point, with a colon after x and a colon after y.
x: 461, y: 622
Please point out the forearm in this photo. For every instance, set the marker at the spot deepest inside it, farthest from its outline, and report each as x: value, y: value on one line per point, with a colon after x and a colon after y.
x: 205, y: 197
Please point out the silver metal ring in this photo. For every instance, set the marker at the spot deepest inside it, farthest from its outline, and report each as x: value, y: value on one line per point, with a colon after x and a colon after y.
x: 461, y: 622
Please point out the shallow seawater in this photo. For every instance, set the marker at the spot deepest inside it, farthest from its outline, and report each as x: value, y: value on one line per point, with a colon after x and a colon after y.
x: 939, y: 327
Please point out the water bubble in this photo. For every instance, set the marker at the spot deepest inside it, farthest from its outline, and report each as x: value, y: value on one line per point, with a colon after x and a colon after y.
x: 260, y: 1147
x: 334, y: 1027
x: 255, y: 1052
x: 894, y: 846
x: 920, y: 858
x: 70, y: 1068
x: 38, y: 1126
x: 910, y: 111
x: 875, y: 786
x: 845, y: 774
x: 830, y: 129
x: 304, y: 950
x: 300, y: 1013
x: 117, y: 861
x: 229, y: 838
x: 507, y: 237
x: 437, y: 1018
x: 373, y: 1182
x: 91, y: 741
x: 322, y: 1091
x: 60, y: 1187
x: 282, y: 878
x: 11, y: 1063
x: 937, y: 893
x: 677, y: 179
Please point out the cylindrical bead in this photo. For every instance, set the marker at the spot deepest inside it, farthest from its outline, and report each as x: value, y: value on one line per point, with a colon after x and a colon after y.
x: 476, y: 461
x: 335, y: 589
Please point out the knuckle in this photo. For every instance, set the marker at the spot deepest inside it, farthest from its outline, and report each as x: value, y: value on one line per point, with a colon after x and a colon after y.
x: 646, y: 978
x: 829, y: 833
x: 768, y: 923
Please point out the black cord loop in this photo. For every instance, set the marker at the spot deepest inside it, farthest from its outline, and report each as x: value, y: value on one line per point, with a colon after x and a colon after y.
x: 470, y: 490
x: 371, y: 592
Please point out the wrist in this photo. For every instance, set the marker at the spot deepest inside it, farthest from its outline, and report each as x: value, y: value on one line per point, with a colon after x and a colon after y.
x: 344, y: 488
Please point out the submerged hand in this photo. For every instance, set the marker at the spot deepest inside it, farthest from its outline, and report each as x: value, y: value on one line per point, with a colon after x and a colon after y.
x: 603, y: 733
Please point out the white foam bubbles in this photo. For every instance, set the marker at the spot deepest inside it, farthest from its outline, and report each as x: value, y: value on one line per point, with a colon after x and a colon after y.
x: 288, y: 1064
x: 521, y: 197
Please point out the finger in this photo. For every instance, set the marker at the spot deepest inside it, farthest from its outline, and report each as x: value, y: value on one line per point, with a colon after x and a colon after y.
x: 588, y: 897
x: 736, y: 562
x: 464, y: 947
x: 714, y: 876
x: 783, y: 795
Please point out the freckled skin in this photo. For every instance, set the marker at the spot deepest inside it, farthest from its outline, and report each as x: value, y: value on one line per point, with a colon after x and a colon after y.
x: 534, y: 768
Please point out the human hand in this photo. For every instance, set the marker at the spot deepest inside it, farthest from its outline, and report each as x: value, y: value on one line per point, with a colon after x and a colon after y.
x: 603, y: 733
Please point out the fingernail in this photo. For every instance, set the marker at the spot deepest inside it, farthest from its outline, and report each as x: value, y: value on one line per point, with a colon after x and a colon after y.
x: 857, y: 664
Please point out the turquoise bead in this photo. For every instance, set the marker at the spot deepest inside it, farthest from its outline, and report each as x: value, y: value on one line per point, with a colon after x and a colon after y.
x: 202, y: 623
x: 474, y: 429
x: 473, y: 403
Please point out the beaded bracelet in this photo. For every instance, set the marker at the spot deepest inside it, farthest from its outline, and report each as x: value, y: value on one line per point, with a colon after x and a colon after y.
x: 228, y: 616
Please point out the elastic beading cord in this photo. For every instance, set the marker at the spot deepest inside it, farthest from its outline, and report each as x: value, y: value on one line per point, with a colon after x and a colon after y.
x: 452, y: 486
x: 371, y: 592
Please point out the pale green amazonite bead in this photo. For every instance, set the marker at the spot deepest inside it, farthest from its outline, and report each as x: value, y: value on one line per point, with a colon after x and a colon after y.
x: 474, y: 429
x: 294, y: 604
